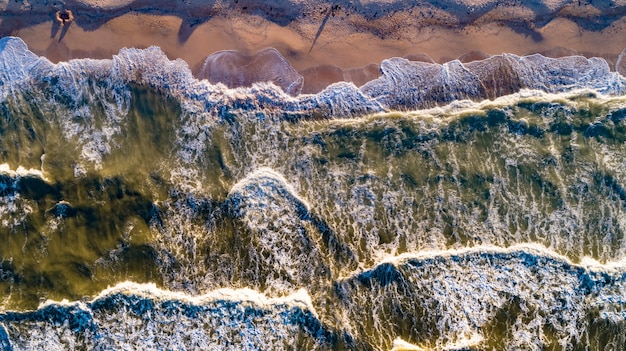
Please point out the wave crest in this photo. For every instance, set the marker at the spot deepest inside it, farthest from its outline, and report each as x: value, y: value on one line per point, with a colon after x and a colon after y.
x: 134, y: 316
x: 403, y: 85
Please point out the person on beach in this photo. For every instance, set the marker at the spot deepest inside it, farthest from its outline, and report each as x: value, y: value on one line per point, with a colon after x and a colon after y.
x: 64, y: 16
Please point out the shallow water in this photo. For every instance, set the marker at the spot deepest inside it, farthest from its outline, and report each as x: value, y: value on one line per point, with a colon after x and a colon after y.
x: 249, y: 219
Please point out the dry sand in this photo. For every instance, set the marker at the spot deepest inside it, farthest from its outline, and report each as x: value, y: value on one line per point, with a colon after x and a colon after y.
x: 314, y: 33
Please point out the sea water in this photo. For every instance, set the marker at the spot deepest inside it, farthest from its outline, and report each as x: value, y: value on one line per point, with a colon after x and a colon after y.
x: 141, y: 208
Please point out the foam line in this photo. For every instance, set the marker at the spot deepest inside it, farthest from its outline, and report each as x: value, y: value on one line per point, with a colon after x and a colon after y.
x: 587, y: 263
x: 299, y: 299
x: 404, y: 85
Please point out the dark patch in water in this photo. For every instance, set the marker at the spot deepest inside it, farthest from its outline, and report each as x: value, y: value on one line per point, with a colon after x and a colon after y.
x: 78, y: 319
x: 383, y: 275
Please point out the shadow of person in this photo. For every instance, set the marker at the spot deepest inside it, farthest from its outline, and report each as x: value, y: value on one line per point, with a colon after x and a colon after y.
x: 66, y: 27
x: 55, y: 28
x: 58, y: 51
x: 187, y: 27
x: 329, y: 11
x: 526, y: 30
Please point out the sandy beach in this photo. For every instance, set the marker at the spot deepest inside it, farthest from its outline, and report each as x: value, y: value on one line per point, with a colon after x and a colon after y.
x: 324, y: 42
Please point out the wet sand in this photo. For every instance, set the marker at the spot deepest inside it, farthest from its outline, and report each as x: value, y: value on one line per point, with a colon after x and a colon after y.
x: 317, y: 39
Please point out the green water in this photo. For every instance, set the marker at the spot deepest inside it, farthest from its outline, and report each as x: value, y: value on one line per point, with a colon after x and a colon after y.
x: 148, y: 197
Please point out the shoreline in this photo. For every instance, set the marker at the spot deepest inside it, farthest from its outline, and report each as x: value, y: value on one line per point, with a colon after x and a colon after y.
x: 324, y: 43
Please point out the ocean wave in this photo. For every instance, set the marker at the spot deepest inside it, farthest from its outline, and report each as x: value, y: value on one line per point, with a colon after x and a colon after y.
x: 404, y: 84
x: 235, y: 70
x: 413, y: 85
x: 258, y: 191
x: 524, y: 296
x: 443, y: 298
x: 289, y: 245
x: 17, y: 190
x: 132, y: 315
x: 156, y: 176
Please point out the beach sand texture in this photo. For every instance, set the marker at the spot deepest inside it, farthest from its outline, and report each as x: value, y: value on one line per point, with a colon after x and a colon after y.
x: 324, y: 41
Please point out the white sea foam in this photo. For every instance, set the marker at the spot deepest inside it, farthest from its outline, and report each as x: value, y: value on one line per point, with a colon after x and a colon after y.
x: 401, y: 345
x: 300, y: 298
x: 85, y: 85
x: 404, y: 84
x: 21, y: 172
x: 465, y: 288
x: 312, y: 201
x: 131, y: 315
x: 14, y: 209
x: 530, y: 248
x: 280, y: 233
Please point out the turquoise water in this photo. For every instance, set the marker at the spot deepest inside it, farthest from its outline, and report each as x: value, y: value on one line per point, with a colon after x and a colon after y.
x: 148, y: 210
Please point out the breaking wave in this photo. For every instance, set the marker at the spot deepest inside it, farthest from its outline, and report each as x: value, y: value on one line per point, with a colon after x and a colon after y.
x: 474, y: 205
x: 480, y: 298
